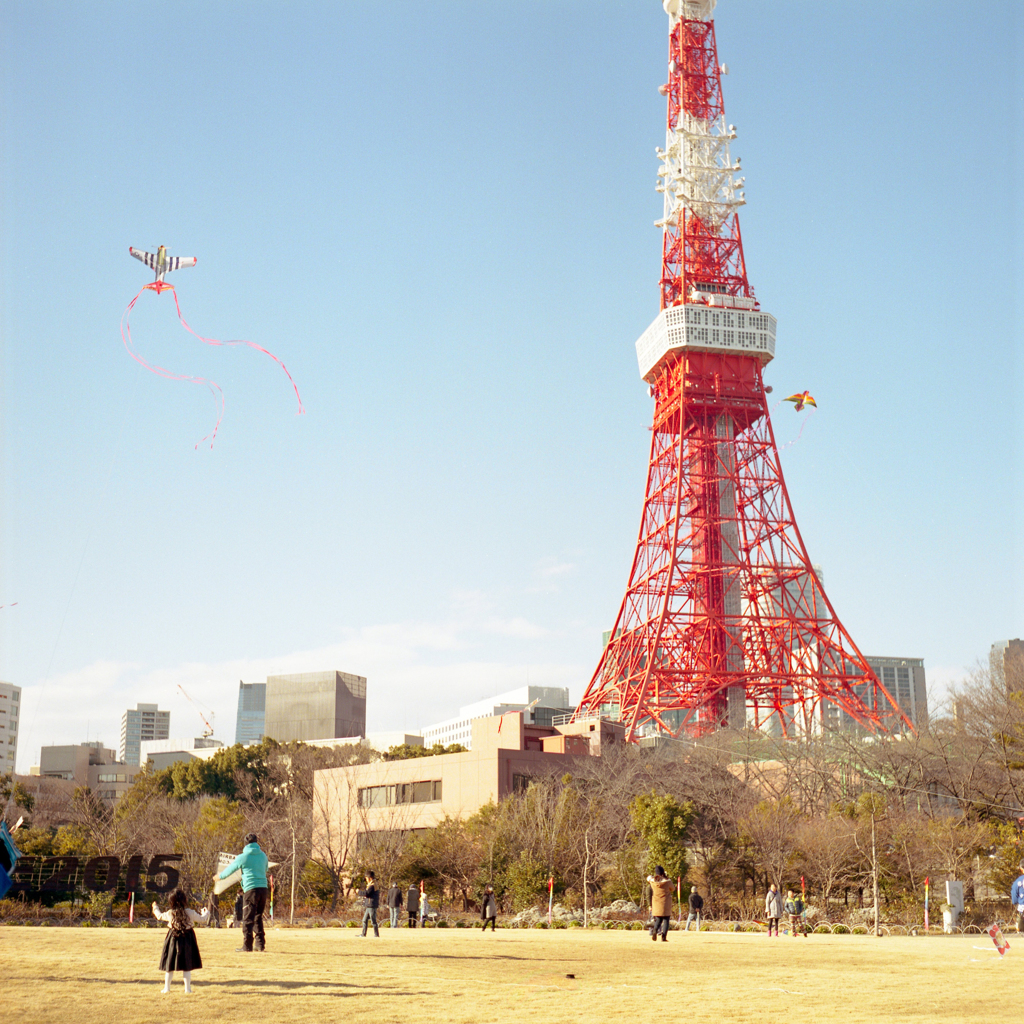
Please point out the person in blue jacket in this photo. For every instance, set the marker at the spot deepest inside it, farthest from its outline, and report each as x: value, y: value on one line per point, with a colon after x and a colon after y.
x: 252, y: 862
x: 1017, y: 897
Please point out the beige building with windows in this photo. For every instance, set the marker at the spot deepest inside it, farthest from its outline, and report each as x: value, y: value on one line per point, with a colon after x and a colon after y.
x: 88, y: 764
x: 10, y: 715
x: 415, y: 794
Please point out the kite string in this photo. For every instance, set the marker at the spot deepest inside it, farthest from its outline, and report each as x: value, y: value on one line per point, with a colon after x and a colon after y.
x: 160, y: 371
x: 251, y: 344
x: 810, y: 411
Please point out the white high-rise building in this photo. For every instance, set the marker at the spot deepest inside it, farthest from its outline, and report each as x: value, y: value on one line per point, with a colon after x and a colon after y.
x: 10, y: 715
x: 144, y: 722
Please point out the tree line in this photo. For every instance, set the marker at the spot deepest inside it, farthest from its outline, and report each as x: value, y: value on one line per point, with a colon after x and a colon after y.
x: 850, y: 815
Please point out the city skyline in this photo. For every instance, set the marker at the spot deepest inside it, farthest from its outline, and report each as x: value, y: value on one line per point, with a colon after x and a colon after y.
x: 446, y: 232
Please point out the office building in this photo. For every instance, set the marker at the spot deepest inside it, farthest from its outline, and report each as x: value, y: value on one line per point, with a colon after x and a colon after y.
x: 144, y: 722
x: 88, y: 764
x: 1006, y: 662
x: 10, y: 716
x: 315, y: 706
x: 414, y: 794
x: 252, y: 712
x: 543, y: 702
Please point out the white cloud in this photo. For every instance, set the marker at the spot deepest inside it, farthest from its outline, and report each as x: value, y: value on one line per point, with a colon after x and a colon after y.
x: 417, y: 673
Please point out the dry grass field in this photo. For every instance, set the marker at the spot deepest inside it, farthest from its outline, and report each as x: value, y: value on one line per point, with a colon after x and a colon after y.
x: 99, y: 976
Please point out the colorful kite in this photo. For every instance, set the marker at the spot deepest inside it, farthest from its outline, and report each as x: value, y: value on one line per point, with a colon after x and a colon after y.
x: 799, y: 400
x: 161, y: 264
x: 996, y: 934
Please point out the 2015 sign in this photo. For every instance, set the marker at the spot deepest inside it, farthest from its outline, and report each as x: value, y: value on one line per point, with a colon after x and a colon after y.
x: 97, y: 874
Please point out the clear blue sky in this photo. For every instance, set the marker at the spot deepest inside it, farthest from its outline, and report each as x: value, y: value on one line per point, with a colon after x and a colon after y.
x: 440, y: 217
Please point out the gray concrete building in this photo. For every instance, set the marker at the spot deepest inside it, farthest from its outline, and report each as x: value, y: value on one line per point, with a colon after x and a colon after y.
x: 10, y: 716
x: 315, y: 706
x: 144, y: 722
x: 250, y: 719
x: 904, y: 679
x: 1006, y: 663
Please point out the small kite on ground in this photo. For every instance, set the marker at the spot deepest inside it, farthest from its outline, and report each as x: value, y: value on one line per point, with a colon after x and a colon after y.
x: 160, y: 263
x: 801, y: 399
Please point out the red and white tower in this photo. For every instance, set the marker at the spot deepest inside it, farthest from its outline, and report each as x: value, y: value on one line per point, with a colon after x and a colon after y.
x: 725, y: 622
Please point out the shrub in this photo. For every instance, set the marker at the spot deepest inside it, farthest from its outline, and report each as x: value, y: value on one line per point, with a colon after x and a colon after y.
x: 575, y: 924
x: 559, y: 924
x: 860, y: 930
x: 637, y: 926
x: 823, y: 929
x: 541, y: 924
x: 442, y: 924
x: 460, y: 924
x: 841, y: 929
x: 351, y: 924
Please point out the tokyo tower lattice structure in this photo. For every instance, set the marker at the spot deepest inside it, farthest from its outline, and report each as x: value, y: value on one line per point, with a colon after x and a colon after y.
x: 725, y: 622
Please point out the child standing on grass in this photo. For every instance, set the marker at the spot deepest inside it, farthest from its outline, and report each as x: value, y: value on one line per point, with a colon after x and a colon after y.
x: 181, y: 951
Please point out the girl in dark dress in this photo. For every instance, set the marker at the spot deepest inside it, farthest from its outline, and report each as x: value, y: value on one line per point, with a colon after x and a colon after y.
x: 181, y: 951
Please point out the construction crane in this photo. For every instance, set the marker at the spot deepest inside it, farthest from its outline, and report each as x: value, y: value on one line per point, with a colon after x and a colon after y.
x: 208, y: 731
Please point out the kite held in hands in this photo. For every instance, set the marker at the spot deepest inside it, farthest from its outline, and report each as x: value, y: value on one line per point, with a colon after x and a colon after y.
x: 160, y: 263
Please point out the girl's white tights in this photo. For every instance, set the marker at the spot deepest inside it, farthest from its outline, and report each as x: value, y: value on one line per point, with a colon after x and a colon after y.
x: 186, y: 977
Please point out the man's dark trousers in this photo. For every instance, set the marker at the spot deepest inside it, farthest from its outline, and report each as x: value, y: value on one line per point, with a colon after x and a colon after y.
x: 254, y: 902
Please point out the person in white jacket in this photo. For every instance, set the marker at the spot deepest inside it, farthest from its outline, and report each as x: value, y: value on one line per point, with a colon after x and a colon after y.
x: 773, y: 909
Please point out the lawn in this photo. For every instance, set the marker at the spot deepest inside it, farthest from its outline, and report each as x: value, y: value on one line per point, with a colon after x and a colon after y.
x: 95, y: 976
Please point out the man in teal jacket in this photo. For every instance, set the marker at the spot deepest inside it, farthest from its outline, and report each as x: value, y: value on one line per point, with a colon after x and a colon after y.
x: 252, y: 862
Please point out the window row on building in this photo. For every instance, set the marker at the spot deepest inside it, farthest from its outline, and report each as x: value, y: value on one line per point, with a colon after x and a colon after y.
x: 402, y: 793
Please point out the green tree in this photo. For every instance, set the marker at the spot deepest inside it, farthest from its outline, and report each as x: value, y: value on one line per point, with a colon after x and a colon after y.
x: 404, y: 751
x: 661, y: 824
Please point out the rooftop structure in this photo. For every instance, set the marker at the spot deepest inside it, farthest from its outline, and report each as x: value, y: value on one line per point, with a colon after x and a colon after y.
x: 160, y: 754
x: 544, y: 702
x: 88, y: 764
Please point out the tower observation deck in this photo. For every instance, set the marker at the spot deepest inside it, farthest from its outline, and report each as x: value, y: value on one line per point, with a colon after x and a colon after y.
x: 724, y: 623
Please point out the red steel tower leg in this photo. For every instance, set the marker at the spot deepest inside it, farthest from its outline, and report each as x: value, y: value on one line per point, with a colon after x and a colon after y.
x: 725, y: 622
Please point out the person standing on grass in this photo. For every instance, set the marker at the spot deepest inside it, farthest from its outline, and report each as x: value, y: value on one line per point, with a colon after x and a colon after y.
x: 424, y: 906
x: 795, y: 908
x: 181, y: 951
x: 773, y: 909
x: 371, y: 900
x: 412, y: 904
x: 1017, y: 897
x: 489, y: 909
x: 394, y: 903
x: 661, y: 903
x: 696, y: 905
x: 252, y: 862
x: 213, y: 911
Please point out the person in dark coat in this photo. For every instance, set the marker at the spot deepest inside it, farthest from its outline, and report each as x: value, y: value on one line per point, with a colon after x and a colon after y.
x: 213, y: 911
x: 412, y: 904
x: 489, y: 909
x: 181, y: 951
x: 696, y: 904
x: 371, y: 901
x: 394, y: 903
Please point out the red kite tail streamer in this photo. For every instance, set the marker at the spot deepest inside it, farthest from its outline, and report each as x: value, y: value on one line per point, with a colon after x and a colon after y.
x: 251, y: 344
x: 160, y: 371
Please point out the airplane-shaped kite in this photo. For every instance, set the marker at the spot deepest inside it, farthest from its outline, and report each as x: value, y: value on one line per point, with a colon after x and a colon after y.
x: 162, y: 264
x: 801, y: 399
